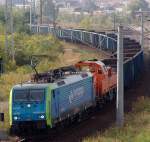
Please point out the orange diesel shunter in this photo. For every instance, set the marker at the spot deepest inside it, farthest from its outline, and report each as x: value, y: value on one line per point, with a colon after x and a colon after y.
x: 105, y: 78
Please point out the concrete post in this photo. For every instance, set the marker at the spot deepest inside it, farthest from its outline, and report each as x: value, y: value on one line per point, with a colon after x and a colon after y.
x: 30, y: 16
x: 142, y: 30
x: 120, y: 80
x: 107, y: 42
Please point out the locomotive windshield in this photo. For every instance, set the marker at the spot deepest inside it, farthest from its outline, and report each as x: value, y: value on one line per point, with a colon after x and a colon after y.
x: 36, y: 95
x: 29, y: 95
x: 20, y: 95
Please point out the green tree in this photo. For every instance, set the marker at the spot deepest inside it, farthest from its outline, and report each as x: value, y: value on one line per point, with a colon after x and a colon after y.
x: 50, y: 10
x: 2, y: 16
x: 89, y: 6
x: 21, y: 21
x: 135, y: 5
x: 2, y: 19
x: 86, y: 23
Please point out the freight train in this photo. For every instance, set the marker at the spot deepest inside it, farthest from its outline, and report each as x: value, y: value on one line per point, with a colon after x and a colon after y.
x: 60, y: 95
x: 67, y: 93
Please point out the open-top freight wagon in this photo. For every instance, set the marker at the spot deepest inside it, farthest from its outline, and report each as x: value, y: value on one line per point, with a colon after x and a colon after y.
x: 104, y: 41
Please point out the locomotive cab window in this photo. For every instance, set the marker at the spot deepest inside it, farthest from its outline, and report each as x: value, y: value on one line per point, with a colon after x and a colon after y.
x: 92, y: 69
x: 21, y: 95
x: 105, y: 68
x: 85, y: 68
x: 37, y: 95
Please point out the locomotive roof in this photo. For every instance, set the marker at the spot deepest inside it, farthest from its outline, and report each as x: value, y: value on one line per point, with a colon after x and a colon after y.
x: 72, y: 79
x: 96, y: 62
x: 59, y: 83
x: 31, y: 85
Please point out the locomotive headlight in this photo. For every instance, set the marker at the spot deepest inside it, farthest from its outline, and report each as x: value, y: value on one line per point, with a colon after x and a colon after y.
x: 15, y: 117
x: 42, y: 117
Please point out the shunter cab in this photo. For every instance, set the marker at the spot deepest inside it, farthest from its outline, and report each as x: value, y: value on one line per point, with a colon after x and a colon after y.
x: 105, y: 79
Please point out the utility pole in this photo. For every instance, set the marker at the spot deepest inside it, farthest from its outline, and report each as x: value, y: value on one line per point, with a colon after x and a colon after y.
x: 142, y: 31
x: 12, y: 30
x: 33, y: 11
x: 30, y: 8
x: 41, y: 11
x: 120, y: 80
x: 6, y: 28
x: 24, y: 3
x: 114, y: 22
x: 54, y: 17
x: 9, y: 28
x: 142, y: 14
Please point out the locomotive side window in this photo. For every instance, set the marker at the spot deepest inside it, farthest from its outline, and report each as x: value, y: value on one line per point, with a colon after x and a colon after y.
x: 100, y: 71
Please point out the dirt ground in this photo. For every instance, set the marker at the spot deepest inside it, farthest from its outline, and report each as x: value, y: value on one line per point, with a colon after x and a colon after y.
x: 74, y: 53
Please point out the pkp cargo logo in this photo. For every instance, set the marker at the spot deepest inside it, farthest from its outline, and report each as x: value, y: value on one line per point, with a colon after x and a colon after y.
x: 76, y: 94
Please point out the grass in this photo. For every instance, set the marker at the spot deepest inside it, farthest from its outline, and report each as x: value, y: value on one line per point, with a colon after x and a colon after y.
x: 88, y: 54
x: 137, y: 122
x: 47, y: 46
x: 8, y: 80
x: 6, y: 83
x: 5, y: 125
x: 135, y: 129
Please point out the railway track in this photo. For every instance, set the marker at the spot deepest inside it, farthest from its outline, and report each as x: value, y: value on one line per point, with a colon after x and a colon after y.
x: 81, y: 129
x: 100, y: 121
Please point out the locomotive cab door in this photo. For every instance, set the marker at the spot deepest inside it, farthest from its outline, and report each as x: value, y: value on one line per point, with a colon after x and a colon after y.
x: 54, y: 105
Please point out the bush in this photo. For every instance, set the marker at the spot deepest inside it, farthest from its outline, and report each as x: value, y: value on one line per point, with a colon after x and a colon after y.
x: 135, y: 129
x: 86, y: 23
x: 8, y: 80
x: 28, y: 45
